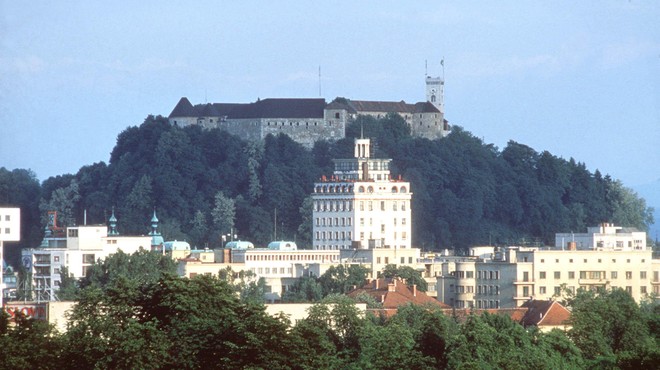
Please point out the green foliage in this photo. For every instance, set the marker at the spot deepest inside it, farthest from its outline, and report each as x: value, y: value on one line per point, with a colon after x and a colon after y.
x: 342, y: 279
x: 409, y: 274
x: 466, y: 192
x: 28, y: 344
x: 139, y: 268
x: 611, y: 330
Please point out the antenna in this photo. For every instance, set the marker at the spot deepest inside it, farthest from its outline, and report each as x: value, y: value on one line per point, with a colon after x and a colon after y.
x: 426, y: 68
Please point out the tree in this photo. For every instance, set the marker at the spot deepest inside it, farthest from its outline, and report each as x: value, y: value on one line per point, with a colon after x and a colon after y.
x: 609, y: 328
x: 199, y: 230
x: 410, y: 275
x: 28, y: 343
x: 223, y: 213
x: 342, y: 279
x: 64, y: 200
x: 139, y: 268
x: 305, y: 289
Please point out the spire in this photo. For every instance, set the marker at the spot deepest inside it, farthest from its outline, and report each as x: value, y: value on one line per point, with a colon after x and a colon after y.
x: 156, y: 239
x: 113, y: 224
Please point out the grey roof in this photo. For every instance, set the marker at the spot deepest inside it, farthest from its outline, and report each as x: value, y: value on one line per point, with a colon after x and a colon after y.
x: 281, y: 108
x: 183, y: 109
x: 382, y: 106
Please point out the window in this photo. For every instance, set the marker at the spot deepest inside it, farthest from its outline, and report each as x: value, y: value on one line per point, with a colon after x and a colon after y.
x: 542, y: 260
x: 557, y: 290
x: 382, y: 205
x: 642, y: 274
x: 557, y: 274
x: 628, y: 275
x: 361, y: 206
x: 7, y: 218
x: 571, y: 274
x: 88, y: 258
x: 403, y: 260
x: 73, y: 233
x: 370, y: 205
x: 378, y: 260
x: 542, y: 290
x: 642, y: 289
x: 56, y: 258
x: 629, y: 289
x: 542, y: 275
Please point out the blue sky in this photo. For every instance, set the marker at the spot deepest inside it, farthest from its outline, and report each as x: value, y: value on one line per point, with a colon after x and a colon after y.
x: 579, y: 80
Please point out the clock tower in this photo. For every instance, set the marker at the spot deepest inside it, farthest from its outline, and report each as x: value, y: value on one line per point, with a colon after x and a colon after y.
x: 435, y: 89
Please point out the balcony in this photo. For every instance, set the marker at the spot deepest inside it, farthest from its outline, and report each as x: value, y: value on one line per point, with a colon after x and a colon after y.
x: 524, y: 282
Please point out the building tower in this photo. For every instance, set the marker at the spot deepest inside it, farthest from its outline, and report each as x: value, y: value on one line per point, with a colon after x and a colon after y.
x: 113, y: 224
x: 435, y: 92
x: 361, y: 206
x: 157, y: 241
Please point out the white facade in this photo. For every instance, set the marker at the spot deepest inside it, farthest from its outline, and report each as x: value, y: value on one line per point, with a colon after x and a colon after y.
x: 518, y: 274
x: 603, y: 237
x: 77, y: 251
x: 10, y: 224
x: 361, y: 206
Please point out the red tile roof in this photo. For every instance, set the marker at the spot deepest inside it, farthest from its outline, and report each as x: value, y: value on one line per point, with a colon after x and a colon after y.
x: 545, y: 313
x: 393, y: 293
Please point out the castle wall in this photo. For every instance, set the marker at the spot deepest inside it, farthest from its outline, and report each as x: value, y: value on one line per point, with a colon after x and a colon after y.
x: 304, y: 130
x: 428, y: 125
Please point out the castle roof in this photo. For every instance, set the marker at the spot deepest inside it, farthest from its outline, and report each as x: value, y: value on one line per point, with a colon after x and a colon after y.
x: 382, y: 106
x: 282, y: 108
x: 184, y: 109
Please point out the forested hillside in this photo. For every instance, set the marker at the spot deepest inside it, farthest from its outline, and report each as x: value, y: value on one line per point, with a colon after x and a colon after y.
x: 203, y: 183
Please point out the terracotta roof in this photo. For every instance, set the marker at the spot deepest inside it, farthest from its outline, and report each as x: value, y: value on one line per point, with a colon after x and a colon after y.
x: 545, y: 313
x: 393, y: 293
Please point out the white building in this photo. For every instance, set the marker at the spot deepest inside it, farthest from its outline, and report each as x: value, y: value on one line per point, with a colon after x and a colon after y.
x: 10, y: 231
x: 517, y: 274
x: 77, y: 249
x: 603, y: 237
x: 361, y: 206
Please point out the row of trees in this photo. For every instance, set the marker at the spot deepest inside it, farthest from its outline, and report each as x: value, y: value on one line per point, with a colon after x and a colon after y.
x: 206, y: 183
x: 125, y: 319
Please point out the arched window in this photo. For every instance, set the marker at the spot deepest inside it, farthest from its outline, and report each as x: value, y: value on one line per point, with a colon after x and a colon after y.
x: 370, y: 189
x: 403, y: 189
x: 394, y: 189
x: 361, y: 189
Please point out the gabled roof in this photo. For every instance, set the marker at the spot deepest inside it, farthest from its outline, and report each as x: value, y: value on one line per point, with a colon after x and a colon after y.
x: 183, y: 109
x: 393, y: 293
x: 545, y: 313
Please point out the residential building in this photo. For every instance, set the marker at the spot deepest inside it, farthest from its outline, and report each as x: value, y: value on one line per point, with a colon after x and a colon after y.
x: 75, y: 248
x: 10, y: 231
x: 360, y: 206
x: 517, y: 274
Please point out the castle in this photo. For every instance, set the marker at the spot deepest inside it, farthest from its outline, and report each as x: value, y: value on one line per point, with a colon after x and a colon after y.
x: 307, y: 120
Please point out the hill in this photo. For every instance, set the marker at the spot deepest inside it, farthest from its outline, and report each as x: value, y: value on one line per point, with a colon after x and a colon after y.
x: 206, y: 183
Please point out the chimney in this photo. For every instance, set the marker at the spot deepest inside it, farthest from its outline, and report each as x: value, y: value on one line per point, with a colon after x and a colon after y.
x: 414, y: 290
x: 377, y: 283
x: 391, y: 287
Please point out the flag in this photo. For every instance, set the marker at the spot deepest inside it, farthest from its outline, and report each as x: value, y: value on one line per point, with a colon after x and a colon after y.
x: 442, y: 62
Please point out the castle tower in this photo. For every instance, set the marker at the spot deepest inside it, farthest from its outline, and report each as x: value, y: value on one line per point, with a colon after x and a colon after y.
x: 435, y: 92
